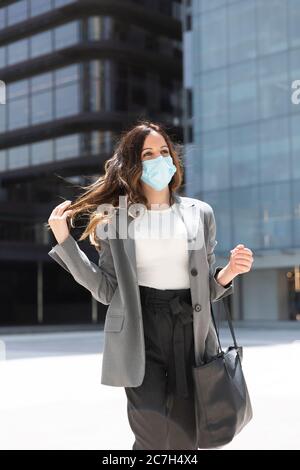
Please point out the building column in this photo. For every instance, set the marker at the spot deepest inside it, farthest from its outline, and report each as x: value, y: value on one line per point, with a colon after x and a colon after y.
x: 260, y: 295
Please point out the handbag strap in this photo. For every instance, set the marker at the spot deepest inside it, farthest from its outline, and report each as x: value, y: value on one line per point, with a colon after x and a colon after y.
x: 228, y: 316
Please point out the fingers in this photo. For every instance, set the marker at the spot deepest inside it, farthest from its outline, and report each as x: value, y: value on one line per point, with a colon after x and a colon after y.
x: 240, y: 257
x: 247, y: 250
x: 243, y: 260
x: 66, y: 214
x: 243, y: 257
x: 241, y: 250
x: 242, y: 253
x: 59, y: 210
x: 244, y: 265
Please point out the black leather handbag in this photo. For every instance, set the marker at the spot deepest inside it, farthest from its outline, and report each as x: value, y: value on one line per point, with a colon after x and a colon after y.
x: 222, y: 402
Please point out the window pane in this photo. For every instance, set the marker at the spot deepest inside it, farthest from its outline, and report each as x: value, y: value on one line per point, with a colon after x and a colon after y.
x: 42, y: 152
x: 66, y: 74
x: 2, y: 118
x: 18, y: 113
x: 274, y: 85
x: 272, y: 26
x: 17, y: 51
x: 244, y: 155
x: 18, y: 157
x: 294, y: 19
x: 66, y: 35
x: 241, y: 29
x: 41, y: 82
x: 42, y: 107
x: 204, y: 5
x: 101, y: 141
x: 296, y: 212
x: 274, y: 150
x: 39, y: 6
x: 295, y: 125
x: 213, y: 42
x: 246, y: 222
x: 2, y: 17
x: 17, y: 12
x: 17, y: 89
x: 41, y: 44
x: 99, y: 95
x: 2, y: 57
x: 215, y: 166
x: 99, y: 27
x: 243, y: 93
x: 67, y: 100
x: 276, y: 210
x: 60, y: 3
x: 2, y: 160
x: 67, y: 147
x: 220, y: 202
x: 99, y: 69
x: 211, y: 102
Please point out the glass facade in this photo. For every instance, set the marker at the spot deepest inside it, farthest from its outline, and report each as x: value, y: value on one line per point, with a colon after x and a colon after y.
x: 84, y: 87
x: 245, y: 153
x: 99, y: 28
x: 105, y: 85
x: 68, y: 96
x: 40, y: 44
x: 112, y: 86
x: 136, y: 36
x: 41, y: 98
x: 24, y: 9
x: 160, y: 6
x: 60, y: 148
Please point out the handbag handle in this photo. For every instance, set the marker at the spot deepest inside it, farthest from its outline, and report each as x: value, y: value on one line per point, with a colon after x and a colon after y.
x: 228, y: 316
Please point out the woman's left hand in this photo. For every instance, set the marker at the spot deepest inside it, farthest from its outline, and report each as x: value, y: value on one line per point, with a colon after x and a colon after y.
x: 241, y: 260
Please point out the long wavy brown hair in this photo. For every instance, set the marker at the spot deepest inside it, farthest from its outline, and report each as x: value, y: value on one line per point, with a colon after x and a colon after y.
x: 122, y: 177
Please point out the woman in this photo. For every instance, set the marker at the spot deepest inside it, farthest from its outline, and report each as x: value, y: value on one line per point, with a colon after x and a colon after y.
x: 158, y: 288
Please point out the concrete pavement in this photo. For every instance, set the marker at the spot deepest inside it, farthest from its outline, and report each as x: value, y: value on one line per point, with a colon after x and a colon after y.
x: 51, y: 396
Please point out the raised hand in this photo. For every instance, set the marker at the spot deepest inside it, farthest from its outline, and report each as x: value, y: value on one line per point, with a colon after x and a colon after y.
x: 58, y: 221
x: 241, y: 260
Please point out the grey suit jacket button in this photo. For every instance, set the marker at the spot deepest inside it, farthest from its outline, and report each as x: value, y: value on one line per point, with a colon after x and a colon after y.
x: 194, y: 272
x: 198, y: 307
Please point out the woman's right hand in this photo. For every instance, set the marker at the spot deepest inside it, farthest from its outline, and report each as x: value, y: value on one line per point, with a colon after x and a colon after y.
x: 58, y: 221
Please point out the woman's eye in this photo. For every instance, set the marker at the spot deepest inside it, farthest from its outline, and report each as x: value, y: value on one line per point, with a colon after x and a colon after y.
x: 150, y: 153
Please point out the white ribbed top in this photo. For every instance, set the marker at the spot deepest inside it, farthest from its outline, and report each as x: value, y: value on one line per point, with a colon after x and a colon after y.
x: 161, y: 250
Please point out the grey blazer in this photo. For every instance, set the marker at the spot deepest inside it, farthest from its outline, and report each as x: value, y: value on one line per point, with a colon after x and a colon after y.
x: 114, y: 282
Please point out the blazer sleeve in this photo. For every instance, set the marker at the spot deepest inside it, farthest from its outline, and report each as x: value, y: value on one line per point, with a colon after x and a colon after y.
x: 99, y: 279
x: 217, y: 291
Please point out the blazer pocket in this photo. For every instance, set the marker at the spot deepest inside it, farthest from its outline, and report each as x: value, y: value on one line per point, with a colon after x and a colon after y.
x: 114, y: 322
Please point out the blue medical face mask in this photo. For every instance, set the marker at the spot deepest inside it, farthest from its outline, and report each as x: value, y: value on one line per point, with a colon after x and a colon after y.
x: 158, y: 172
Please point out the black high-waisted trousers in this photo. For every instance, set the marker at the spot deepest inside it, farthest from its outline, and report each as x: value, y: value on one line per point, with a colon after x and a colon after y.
x: 161, y: 410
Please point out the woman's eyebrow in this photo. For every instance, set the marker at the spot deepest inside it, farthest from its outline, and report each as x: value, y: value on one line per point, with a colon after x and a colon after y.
x: 146, y: 148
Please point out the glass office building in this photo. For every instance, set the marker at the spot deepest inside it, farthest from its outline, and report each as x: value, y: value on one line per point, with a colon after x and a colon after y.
x: 77, y: 72
x: 243, y: 141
